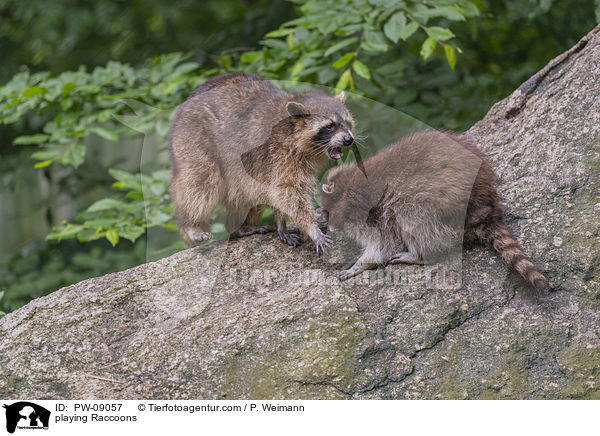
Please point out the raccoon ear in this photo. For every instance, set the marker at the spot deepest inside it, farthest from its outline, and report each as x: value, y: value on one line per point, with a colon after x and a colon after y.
x: 327, y: 189
x: 296, y: 109
x: 341, y: 97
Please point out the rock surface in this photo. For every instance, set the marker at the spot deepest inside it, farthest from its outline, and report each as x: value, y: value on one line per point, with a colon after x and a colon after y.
x: 270, y: 322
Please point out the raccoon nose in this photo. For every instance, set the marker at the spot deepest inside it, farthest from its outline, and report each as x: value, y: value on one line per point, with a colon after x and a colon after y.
x: 347, y: 140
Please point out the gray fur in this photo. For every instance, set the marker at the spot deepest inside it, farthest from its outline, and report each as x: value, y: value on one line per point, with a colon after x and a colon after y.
x: 423, y: 194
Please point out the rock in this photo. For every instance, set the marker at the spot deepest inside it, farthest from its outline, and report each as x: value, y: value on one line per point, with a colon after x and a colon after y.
x: 253, y: 318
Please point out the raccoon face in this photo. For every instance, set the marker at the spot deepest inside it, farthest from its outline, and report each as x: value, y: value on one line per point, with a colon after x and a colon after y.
x: 327, y: 122
x: 332, y: 135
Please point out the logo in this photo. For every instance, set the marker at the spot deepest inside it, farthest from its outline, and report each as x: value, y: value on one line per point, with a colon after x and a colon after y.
x: 26, y: 415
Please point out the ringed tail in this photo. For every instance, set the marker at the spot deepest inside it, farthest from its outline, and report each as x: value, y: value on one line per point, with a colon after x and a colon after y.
x: 505, y: 243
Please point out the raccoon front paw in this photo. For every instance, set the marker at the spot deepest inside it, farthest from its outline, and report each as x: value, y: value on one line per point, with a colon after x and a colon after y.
x: 197, y: 235
x: 322, y: 242
x: 288, y: 238
x: 346, y: 274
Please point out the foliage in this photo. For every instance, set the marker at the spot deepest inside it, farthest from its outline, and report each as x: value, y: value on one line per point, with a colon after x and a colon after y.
x: 60, y: 35
x: 338, y: 43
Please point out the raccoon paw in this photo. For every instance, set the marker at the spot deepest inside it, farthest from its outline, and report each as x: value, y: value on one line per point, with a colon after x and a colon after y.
x: 346, y: 274
x: 288, y: 238
x: 407, y: 257
x: 197, y: 235
x: 322, y: 242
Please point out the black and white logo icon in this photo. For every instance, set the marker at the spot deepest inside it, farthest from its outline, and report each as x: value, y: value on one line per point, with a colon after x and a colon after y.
x: 26, y: 415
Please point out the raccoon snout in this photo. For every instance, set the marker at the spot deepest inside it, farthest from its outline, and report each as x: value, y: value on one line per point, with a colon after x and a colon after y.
x: 347, y: 140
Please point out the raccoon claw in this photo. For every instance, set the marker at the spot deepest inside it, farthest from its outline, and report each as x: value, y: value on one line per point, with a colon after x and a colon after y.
x: 292, y: 239
x: 197, y: 236
x: 406, y: 258
x: 345, y: 274
x: 323, y: 242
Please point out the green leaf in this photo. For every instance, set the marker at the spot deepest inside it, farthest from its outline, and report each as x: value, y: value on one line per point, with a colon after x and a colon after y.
x: 126, y: 180
x: 69, y: 231
x: 297, y: 68
x: 68, y: 88
x: 105, y: 133
x: 31, y: 139
x: 43, y: 164
x: 394, y: 26
x: 186, y: 67
x: 407, y: 31
x: 106, y: 204
x: 440, y: 33
x: 44, y: 155
x: 392, y: 69
x: 278, y: 33
x: 343, y: 61
x: 361, y: 69
x: 450, y: 55
x: 225, y: 61
x: 340, y: 45
x: 112, y: 237
x: 164, y: 175
x: 374, y: 41
x: 162, y: 126
x: 344, y: 81
x: 75, y: 155
x: 428, y: 47
x: 158, y: 188
x: 33, y: 91
x: 251, y: 56
x: 448, y: 12
x: 134, y: 232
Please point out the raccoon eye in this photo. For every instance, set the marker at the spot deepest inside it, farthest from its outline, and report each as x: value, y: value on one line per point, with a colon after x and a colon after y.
x: 330, y: 126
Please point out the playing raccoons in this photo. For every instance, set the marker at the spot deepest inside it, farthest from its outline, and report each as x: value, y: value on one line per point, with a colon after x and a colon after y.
x: 240, y: 142
x: 422, y: 195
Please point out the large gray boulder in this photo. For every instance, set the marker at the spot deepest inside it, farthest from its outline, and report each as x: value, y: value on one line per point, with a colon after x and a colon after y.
x: 270, y: 322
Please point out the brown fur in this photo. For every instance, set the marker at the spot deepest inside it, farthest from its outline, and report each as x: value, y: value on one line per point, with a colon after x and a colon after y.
x: 428, y: 192
x: 240, y: 142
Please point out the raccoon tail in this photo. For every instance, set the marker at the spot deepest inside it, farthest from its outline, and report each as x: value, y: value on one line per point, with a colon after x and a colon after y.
x: 505, y: 243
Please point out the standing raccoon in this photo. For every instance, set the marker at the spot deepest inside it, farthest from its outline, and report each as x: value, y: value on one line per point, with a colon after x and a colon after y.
x: 241, y: 142
x: 427, y: 192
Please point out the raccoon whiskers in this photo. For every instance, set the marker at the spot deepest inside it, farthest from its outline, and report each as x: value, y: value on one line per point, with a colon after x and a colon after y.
x: 360, y: 144
x: 320, y: 147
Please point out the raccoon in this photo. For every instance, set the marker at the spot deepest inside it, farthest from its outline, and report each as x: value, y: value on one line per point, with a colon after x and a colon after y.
x: 424, y: 195
x: 243, y: 143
